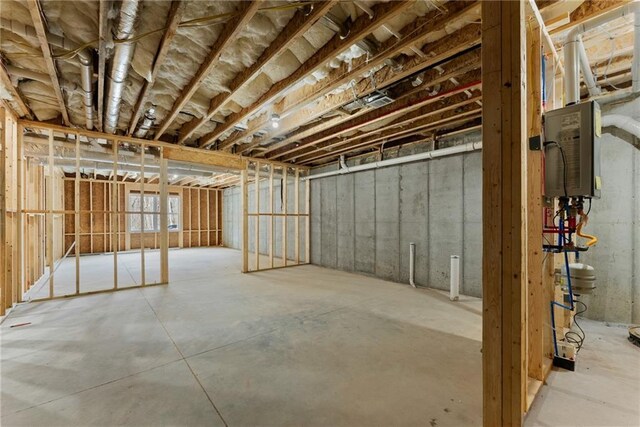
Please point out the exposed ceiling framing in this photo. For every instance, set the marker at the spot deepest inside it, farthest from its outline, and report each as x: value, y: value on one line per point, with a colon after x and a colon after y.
x: 416, y: 76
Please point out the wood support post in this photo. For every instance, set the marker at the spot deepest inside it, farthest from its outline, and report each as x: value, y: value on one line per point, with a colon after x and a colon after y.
x: 272, y: 219
x: 18, y: 284
x: 115, y: 217
x: 244, y: 200
x: 537, y: 304
x: 164, y: 220
x: 49, y: 198
x: 504, y: 213
x: 76, y: 215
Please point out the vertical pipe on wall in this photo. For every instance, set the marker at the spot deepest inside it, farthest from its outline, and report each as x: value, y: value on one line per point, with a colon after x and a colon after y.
x: 412, y: 264
x: 454, y: 290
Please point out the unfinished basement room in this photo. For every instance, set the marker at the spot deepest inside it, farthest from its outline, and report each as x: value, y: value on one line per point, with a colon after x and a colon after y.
x: 307, y: 213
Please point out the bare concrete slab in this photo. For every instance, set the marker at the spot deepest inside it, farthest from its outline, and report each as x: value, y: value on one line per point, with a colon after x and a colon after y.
x: 298, y: 346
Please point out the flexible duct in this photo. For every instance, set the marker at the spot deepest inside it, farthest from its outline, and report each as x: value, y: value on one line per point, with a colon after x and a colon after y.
x: 122, y: 54
x: 85, y: 58
x: 571, y: 48
x: 625, y: 123
x: 147, y: 123
x: 456, y: 149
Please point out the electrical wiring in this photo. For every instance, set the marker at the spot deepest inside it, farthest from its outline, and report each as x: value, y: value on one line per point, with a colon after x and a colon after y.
x: 613, y: 49
x: 575, y: 337
x: 564, y: 166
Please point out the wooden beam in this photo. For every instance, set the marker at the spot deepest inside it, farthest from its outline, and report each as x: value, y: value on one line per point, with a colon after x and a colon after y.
x: 246, y: 10
x: 296, y: 109
x: 358, y: 31
x: 173, y: 19
x: 16, y: 95
x: 434, y: 77
x: 194, y: 155
x: 504, y: 273
x: 537, y: 305
x: 587, y: 10
x: 297, y: 26
x: 445, y: 119
x: 428, y: 122
x: 38, y: 23
x: 468, y: 82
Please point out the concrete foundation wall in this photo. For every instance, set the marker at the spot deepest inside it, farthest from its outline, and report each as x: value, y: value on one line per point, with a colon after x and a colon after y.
x: 232, y: 218
x: 615, y: 220
x: 363, y: 222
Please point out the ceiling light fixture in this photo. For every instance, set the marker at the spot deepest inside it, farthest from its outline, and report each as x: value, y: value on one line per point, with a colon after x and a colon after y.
x: 275, y: 121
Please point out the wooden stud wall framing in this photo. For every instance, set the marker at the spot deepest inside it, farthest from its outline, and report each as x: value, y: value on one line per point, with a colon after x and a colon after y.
x: 517, y: 278
x: 97, y: 235
x: 274, y: 213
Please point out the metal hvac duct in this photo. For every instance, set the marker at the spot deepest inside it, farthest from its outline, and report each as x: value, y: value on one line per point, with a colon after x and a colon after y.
x: 85, y: 58
x: 122, y: 54
x: 147, y: 123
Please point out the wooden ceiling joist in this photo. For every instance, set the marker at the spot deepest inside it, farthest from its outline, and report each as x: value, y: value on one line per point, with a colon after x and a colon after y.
x: 411, y: 124
x: 588, y: 10
x: 297, y: 26
x: 173, y: 20
x: 292, y: 108
x: 440, y: 117
x: 38, y: 23
x: 358, y: 31
x: 5, y: 81
x: 431, y: 78
x: 448, y: 88
x: 440, y: 121
x: 230, y: 30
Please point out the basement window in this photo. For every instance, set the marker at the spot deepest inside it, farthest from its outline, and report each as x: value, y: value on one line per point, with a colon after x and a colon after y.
x: 152, y: 212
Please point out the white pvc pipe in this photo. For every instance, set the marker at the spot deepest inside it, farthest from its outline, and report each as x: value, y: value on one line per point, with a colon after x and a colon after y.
x: 412, y: 264
x: 454, y: 289
x: 589, y: 80
x: 571, y: 55
x: 623, y: 122
x: 428, y: 155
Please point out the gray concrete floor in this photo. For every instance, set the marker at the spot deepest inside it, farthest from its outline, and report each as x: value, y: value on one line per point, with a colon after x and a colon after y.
x: 604, y: 390
x: 298, y: 346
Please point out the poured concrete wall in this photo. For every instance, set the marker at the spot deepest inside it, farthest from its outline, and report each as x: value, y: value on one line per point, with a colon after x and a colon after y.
x: 363, y: 222
x: 615, y: 220
x: 232, y: 218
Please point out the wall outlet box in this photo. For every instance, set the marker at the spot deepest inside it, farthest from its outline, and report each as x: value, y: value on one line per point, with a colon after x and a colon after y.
x: 567, y: 350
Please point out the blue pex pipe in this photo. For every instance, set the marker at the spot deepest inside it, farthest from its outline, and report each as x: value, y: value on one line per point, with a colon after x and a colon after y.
x: 553, y: 303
